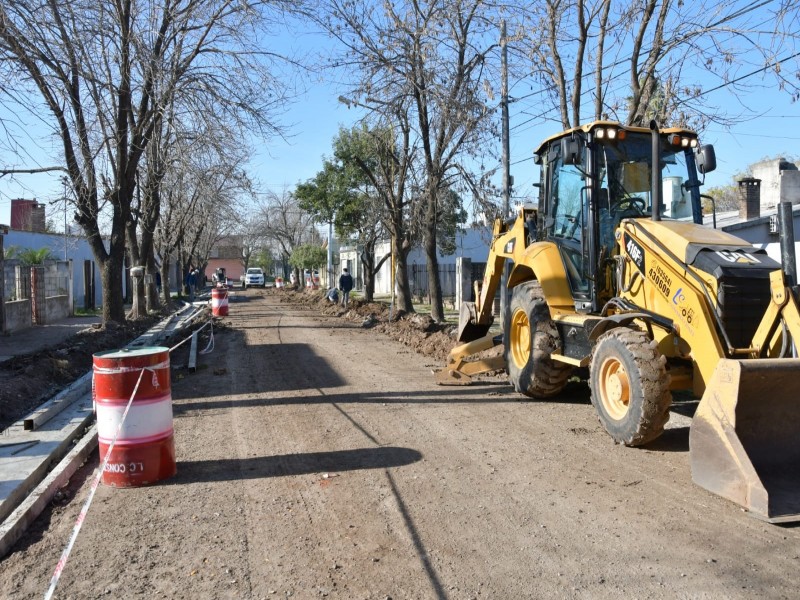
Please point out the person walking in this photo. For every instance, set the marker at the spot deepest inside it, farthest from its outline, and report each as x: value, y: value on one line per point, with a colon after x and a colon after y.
x: 345, y: 284
x: 191, y: 281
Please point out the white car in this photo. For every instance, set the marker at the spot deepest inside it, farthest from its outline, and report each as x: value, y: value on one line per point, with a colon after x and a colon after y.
x: 254, y: 276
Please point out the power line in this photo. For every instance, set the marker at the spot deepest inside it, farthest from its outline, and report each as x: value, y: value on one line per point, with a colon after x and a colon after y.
x: 604, y: 68
x: 738, y: 79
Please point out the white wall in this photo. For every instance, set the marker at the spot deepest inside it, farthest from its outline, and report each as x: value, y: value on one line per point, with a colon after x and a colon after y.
x: 776, y: 185
x: 78, y: 250
x: 472, y: 243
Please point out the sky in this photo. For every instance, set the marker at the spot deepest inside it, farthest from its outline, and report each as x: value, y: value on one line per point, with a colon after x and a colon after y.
x: 317, y: 115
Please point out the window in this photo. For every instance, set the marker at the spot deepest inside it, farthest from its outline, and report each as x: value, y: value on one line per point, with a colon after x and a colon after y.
x: 569, y: 218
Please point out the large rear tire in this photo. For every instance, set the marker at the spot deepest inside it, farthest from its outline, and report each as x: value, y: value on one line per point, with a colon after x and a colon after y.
x: 529, y: 338
x: 630, y: 386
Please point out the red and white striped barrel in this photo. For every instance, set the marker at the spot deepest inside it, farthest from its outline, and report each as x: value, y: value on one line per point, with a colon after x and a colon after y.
x: 279, y: 282
x: 219, y: 302
x: 145, y: 450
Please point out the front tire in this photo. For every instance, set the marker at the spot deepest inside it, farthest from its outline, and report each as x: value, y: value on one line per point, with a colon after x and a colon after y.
x: 630, y: 386
x: 529, y: 337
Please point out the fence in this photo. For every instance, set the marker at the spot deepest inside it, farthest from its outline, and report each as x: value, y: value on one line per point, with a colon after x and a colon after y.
x: 418, y: 279
x: 37, y: 295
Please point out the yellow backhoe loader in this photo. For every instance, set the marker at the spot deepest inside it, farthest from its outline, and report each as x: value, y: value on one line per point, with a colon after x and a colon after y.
x: 614, y: 271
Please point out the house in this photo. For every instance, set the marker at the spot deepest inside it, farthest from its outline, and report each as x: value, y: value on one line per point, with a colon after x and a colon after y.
x: 753, y: 222
x: 780, y: 182
x: 71, y: 249
x: 226, y: 253
x: 471, y: 243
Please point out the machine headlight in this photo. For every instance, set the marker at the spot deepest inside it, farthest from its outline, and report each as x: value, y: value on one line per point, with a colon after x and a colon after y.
x: 609, y: 133
x: 682, y: 141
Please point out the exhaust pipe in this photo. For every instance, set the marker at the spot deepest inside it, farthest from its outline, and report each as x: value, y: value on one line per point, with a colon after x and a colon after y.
x: 656, y: 171
x: 788, y: 255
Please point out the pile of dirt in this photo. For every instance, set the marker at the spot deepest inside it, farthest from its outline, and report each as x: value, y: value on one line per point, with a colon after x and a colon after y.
x: 419, y: 332
x: 26, y: 381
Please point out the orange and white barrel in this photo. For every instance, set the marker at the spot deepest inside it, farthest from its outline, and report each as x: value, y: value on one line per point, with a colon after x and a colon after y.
x: 219, y: 302
x: 279, y: 282
x: 315, y: 281
x: 145, y: 449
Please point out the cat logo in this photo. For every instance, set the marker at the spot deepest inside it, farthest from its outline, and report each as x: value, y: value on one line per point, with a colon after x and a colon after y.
x: 738, y: 256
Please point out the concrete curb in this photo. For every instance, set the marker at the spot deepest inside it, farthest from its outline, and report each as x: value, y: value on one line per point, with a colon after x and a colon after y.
x: 27, y: 503
x: 66, y: 397
x: 26, y: 513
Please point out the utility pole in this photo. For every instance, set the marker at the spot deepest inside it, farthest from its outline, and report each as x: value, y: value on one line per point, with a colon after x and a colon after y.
x: 506, y: 163
x: 3, y: 326
x: 64, y: 182
x: 330, y: 252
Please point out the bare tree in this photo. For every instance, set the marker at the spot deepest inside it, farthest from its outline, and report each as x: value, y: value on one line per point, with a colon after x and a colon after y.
x: 428, y: 57
x: 285, y: 225
x: 106, y: 72
x: 634, y: 61
x: 199, y: 194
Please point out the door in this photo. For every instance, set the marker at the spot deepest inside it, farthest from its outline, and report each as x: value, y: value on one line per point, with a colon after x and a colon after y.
x: 568, y: 221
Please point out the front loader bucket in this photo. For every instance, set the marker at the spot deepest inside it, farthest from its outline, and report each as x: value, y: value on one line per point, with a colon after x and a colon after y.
x: 745, y: 437
x: 468, y: 327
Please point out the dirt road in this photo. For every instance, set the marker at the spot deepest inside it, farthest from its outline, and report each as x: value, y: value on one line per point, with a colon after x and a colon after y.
x: 318, y: 459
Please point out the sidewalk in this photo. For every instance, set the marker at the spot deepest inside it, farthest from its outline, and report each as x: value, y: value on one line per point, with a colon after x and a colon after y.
x: 39, y: 337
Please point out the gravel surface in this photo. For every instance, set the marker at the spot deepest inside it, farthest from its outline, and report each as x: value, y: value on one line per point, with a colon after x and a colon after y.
x: 317, y: 458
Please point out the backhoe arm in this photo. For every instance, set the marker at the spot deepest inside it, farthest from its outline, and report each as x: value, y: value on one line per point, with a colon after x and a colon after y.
x: 782, y: 307
x: 508, y: 242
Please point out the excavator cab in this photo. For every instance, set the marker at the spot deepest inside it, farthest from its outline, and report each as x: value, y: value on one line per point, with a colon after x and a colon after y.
x: 599, y: 175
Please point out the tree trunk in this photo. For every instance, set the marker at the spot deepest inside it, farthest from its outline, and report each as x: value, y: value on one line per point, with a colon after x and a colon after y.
x: 111, y: 277
x: 151, y: 290
x: 165, y: 284
x: 434, y: 284
x: 110, y: 262
x: 368, y: 260
x: 402, y: 287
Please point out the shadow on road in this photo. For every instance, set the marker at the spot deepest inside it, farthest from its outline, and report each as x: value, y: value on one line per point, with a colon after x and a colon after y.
x: 293, y: 464
x: 672, y: 440
x: 479, y: 395
x: 416, y: 539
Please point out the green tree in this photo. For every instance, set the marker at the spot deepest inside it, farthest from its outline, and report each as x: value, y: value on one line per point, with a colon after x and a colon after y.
x: 308, y: 257
x: 342, y: 193
x: 263, y: 258
x: 324, y: 196
x: 451, y: 215
x: 28, y: 256
x: 383, y: 155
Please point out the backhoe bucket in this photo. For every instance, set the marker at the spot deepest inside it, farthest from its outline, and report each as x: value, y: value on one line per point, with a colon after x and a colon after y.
x: 745, y: 437
x: 468, y: 327
x: 460, y: 371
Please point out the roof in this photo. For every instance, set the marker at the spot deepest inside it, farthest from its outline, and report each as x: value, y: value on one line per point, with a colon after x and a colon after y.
x: 594, y: 124
x: 731, y: 221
